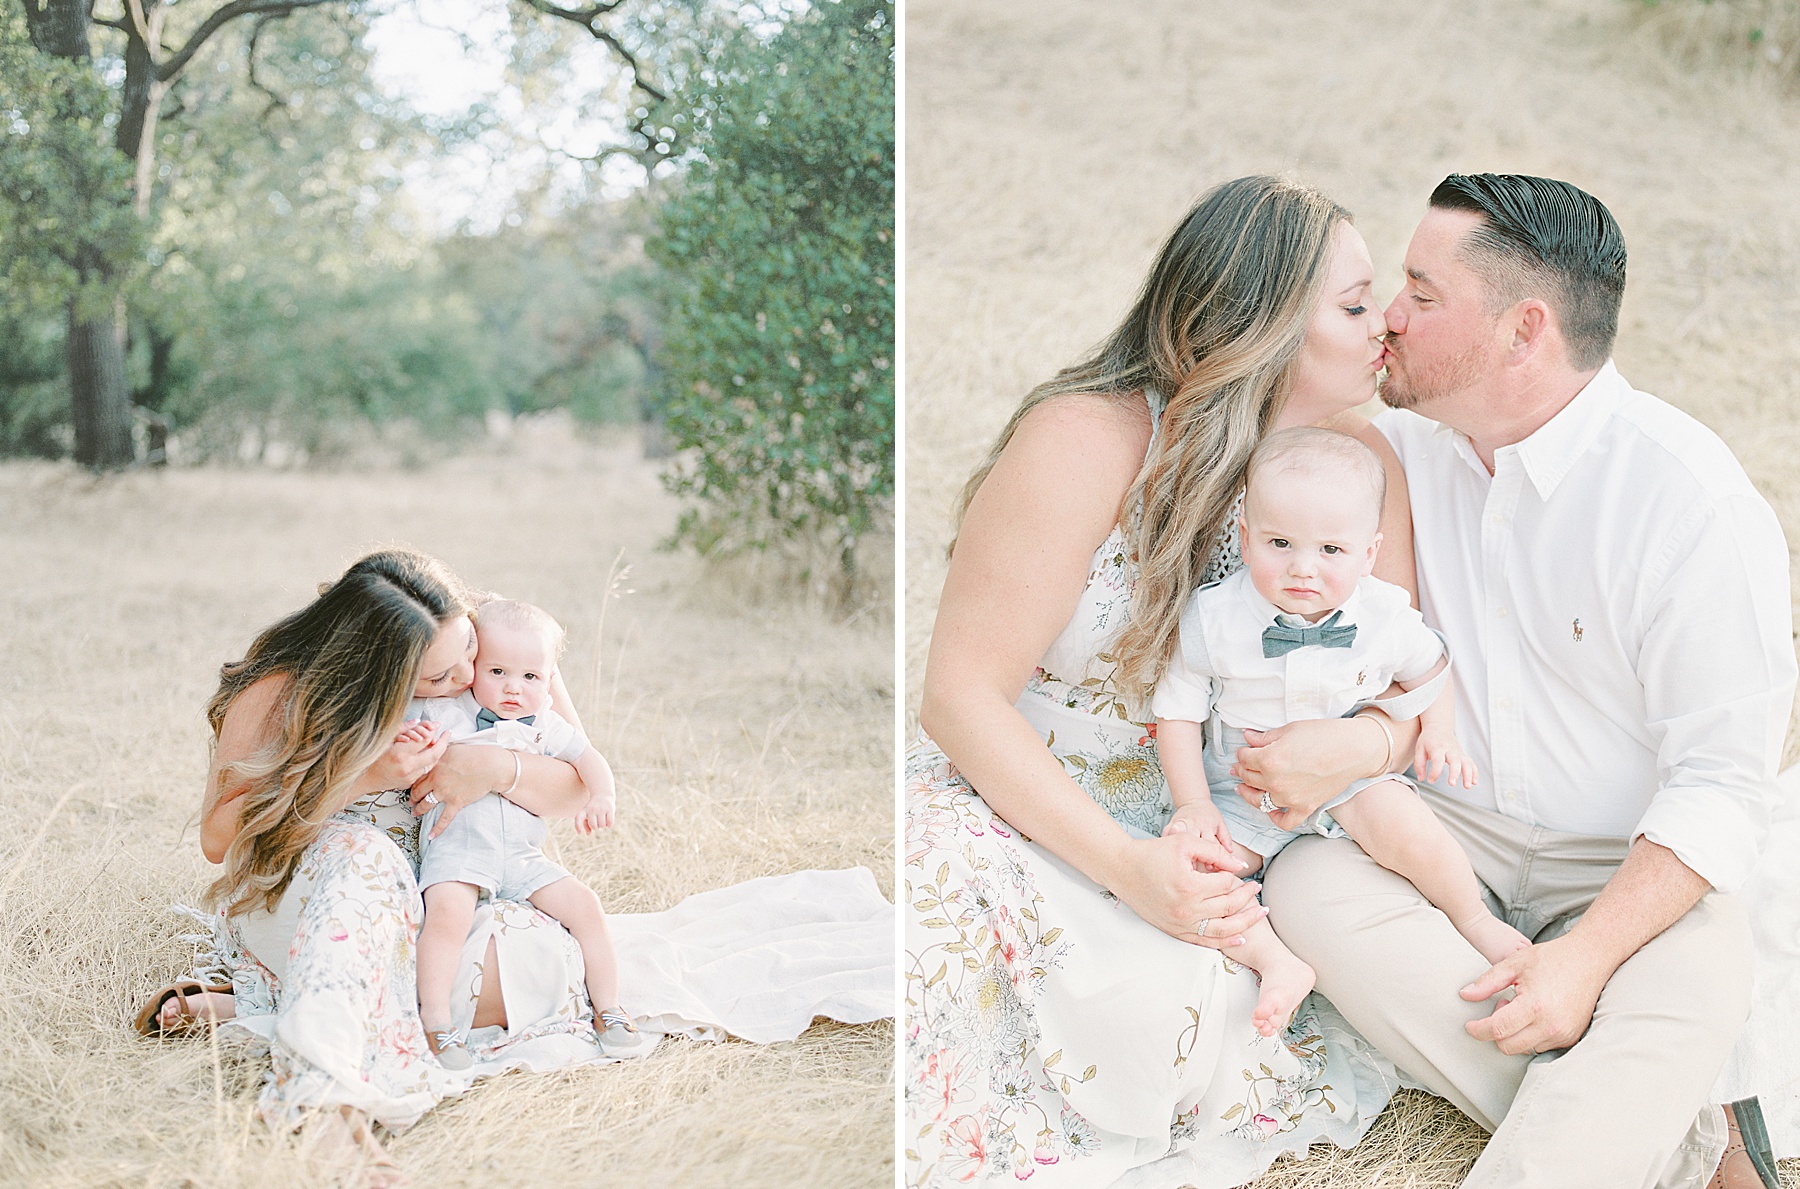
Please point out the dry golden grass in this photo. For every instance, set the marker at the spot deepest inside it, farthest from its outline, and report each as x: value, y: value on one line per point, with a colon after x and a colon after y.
x: 1050, y: 146
x: 750, y: 726
x: 1758, y: 36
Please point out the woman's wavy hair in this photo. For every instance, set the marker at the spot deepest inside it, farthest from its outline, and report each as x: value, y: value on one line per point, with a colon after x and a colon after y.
x: 352, y: 658
x: 1216, y: 329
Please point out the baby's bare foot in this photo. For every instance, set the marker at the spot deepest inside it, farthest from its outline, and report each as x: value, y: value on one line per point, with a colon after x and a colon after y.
x: 1493, y: 937
x: 1286, y: 980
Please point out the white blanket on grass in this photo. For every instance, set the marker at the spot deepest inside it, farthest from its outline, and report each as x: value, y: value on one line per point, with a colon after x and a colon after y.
x: 1766, y: 1063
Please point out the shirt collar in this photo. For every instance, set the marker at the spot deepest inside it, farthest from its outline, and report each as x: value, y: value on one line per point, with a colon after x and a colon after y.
x: 1551, y: 453
x: 1265, y: 611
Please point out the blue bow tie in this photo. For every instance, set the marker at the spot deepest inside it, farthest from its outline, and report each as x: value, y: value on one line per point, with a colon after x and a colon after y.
x: 1289, y: 632
x: 485, y: 718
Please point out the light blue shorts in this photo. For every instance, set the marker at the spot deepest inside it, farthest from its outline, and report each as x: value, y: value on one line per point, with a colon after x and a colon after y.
x: 1249, y: 826
x: 492, y: 844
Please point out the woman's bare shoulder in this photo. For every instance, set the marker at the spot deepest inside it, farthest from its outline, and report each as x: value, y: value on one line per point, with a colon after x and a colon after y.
x: 1087, y: 433
x: 1356, y: 423
x: 1120, y: 418
x: 246, y: 722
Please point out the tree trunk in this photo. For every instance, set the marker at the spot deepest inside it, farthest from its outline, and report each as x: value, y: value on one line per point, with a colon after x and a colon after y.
x: 58, y: 27
x: 99, y: 400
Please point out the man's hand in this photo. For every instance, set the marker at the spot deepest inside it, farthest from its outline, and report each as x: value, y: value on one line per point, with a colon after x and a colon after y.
x: 1557, y: 984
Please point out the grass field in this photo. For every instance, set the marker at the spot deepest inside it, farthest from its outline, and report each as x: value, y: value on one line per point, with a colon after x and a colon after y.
x: 1050, y: 147
x: 750, y: 726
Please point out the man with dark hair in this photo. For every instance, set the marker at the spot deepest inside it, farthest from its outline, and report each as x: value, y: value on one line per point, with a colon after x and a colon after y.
x: 1615, y: 595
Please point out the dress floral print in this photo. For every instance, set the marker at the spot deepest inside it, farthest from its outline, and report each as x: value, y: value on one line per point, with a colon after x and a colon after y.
x: 342, y: 1021
x: 1050, y: 1033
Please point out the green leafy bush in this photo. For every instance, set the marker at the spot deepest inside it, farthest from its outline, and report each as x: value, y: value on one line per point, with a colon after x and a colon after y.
x: 778, y: 259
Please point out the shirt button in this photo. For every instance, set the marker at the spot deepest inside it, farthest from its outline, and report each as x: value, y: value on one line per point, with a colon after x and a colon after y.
x: 1511, y: 794
x: 1506, y: 703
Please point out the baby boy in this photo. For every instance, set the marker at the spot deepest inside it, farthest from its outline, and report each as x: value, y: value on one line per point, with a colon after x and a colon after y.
x: 1304, y: 631
x: 493, y: 846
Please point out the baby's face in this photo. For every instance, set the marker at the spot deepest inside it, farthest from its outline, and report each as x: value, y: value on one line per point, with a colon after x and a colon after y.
x: 1307, y: 540
x: 513, y: 668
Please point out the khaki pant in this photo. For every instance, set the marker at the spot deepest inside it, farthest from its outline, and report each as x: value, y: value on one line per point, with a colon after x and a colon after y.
x: 1618, y: 1108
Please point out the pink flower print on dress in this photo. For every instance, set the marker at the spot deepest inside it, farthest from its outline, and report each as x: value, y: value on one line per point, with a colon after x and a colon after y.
x: 966, y: 1153
x: 942, y: 1079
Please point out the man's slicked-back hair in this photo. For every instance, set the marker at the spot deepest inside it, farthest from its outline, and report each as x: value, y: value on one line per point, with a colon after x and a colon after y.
x: 1543, y: 238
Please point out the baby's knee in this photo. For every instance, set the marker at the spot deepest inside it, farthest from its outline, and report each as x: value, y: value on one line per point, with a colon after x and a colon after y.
x: 448, y: 902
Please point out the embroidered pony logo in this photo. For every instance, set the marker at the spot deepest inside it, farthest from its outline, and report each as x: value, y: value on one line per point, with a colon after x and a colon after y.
x: 1576, y: 626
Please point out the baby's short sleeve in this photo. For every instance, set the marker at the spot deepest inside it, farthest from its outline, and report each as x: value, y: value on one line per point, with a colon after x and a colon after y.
x: 1185, y: 690
x: 562, y: 739
x: 1417, y: 649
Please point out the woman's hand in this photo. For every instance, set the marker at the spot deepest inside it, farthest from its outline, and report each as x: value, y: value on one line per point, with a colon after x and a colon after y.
x: 1179, y: 883
x: 413, y: 753
x: 464, y: 774
x: 1305, y: 764
x: 1203, y: 820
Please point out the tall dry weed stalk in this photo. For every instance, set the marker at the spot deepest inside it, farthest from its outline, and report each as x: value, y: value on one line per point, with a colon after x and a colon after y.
x: 1759, y: 37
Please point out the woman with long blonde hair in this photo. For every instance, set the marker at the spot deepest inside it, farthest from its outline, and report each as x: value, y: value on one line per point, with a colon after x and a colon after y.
x: 308, y: 811
x: 1072, y: 1012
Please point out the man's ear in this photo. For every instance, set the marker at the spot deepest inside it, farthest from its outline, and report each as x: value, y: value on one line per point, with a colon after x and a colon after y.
x: 1532, y: 325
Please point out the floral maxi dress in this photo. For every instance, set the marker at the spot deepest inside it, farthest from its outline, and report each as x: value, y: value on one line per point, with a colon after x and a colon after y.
x: 327, y: 980
x: 1050, y: 1032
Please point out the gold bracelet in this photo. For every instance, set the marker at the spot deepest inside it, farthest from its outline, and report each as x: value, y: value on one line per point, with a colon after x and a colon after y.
x: 1387, y: 734
x: 519, y: 770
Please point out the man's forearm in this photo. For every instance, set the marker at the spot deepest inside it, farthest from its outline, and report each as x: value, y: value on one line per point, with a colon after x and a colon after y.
x: 1651, y: 890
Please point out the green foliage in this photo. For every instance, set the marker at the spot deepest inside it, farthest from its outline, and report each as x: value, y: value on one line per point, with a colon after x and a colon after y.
x: 65, y: 192
x: 285, y: 289
x: 778, y: 252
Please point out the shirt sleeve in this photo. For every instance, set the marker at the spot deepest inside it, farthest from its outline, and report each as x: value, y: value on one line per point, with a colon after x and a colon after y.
x: 1417, y: 649
x: 1717, y: 666
x: 1185, y: 690
x: 562, y: 739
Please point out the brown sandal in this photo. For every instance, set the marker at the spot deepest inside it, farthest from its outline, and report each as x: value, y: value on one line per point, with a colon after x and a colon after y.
x: 149, y: 1019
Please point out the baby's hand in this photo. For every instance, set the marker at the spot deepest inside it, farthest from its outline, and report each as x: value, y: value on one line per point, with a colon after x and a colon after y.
x: 1201, y: 818
x: 415, y: 750
x: 597, y: 814
x: 1443, y: 754
x: 417, y: 731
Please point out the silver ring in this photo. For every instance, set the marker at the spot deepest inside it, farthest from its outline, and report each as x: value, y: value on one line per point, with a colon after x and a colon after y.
x: 1268, y: 806
x: 1203, y: 926
x: 431, y: 798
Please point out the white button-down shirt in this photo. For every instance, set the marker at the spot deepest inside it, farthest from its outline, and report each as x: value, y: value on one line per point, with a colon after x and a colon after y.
x: 547, y: 734
x: 1616, y: 597
x: 1220, y: 662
